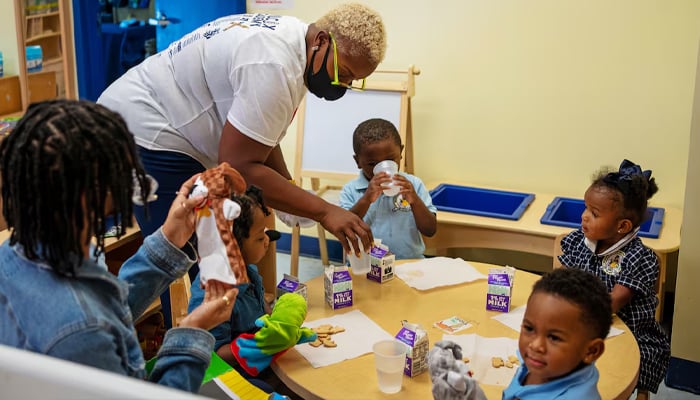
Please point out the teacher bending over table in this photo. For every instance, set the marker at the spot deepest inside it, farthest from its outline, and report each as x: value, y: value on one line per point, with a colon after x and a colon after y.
x: 228, y: 91
x: 66, y: 167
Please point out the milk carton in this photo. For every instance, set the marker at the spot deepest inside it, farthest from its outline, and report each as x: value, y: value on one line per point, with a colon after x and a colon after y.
x: 337, y: 285
x: 416, y: 338
x: 291, y: 284
x: 381, y: 264
x: 500, y: 288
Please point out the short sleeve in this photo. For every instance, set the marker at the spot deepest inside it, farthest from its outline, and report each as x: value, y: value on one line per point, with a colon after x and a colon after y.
x: 639, y: 271
x: 424, y: 194
x: 263, y: 103
x: 348, y: 196
x: 569, y: 257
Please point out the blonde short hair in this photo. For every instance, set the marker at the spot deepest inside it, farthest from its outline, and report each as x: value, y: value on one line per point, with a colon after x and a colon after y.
x: 359, y: 29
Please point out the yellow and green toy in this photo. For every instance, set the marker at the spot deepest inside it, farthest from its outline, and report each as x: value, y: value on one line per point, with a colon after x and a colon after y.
x: 279, y: 331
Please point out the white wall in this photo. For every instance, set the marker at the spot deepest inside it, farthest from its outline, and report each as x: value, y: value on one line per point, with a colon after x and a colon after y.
x: 684, y: 342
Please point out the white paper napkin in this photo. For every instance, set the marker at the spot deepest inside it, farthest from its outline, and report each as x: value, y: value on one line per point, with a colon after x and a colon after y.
x: 359, y: 336
x: 480, y: 350
x: 514, y: 320
x: 429, y: 273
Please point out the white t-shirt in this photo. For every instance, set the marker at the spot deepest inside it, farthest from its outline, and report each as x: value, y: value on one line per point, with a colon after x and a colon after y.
x: 247, y: 69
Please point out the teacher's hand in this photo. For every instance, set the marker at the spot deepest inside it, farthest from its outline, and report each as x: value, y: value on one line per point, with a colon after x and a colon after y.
x: 348, y: 227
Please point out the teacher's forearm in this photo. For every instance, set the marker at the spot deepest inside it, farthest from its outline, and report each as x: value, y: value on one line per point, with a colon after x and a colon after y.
x: 283, y: 195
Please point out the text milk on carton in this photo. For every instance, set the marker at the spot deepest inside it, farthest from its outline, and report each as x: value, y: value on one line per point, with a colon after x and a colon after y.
x: 337, y: 284
x: 500, y: 288
x: 416, y: 338
x: 291, y: 284
x: 381, y: 264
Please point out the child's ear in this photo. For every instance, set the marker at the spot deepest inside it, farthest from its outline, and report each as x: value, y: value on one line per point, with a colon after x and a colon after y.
x: 624, y: 226
x: 354, y: 157
x: 595, y: 349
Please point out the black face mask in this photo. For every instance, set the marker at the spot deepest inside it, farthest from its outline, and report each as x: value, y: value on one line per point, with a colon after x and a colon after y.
x: 320, y: 83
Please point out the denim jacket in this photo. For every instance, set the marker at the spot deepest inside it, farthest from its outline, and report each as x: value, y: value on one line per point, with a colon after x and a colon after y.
x: 88, y: 319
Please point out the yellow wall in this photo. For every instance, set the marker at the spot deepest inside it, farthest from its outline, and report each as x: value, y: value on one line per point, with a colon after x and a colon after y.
x: 537, y: 95
x: 8, y: 39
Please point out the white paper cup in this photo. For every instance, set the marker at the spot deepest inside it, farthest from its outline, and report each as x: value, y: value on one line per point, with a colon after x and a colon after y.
x: 360, y: 265
x: 391, y: 168
x: 389, y: 360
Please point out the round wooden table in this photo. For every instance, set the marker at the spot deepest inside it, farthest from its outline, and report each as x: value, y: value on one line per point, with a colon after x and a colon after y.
x: 389, y: 303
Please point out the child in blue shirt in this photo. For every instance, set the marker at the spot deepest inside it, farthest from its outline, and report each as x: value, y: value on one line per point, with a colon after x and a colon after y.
x: 567, y: 319
x: 398, y: 220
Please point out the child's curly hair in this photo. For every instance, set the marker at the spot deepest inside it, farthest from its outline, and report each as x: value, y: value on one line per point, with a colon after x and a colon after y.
x: 248, y: 201
x: 374, y: 130
x: 631, y: 187
x: 583, y: 289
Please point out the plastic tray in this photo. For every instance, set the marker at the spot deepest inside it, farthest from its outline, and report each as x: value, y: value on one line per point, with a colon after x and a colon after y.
x: 567, y: 212
x: 483, y: 202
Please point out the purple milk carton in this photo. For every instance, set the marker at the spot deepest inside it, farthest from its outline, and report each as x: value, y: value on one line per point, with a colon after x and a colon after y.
x: 381, y: 264
x: 291, y: 284
x: 337, y: 285
x: 416, y: 338
x: 500, y: 288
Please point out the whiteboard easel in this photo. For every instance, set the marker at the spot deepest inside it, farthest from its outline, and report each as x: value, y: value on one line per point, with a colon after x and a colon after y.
x: 324, y: 136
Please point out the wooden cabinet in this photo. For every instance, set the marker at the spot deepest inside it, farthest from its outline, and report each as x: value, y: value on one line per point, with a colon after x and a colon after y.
x: 10, y: 95
x: 47, y: 24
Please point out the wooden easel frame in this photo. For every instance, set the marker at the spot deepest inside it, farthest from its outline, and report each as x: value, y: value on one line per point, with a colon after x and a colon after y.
x: 403, y: 82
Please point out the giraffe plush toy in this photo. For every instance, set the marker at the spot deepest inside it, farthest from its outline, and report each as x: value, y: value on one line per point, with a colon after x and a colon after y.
x: 219, y: 255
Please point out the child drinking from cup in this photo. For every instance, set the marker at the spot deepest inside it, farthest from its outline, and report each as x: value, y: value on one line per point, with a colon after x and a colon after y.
x: 607, y: 246
x: 400, y: 220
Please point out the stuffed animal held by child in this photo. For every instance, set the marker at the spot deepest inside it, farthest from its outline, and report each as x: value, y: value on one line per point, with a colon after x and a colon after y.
x: 450, y: 375
x: 219, y: 255
x: 278, y: 332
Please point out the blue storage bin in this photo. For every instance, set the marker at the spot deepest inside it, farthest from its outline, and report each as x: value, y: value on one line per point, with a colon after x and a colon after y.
x: 567, y: 212
x: 484, y: 202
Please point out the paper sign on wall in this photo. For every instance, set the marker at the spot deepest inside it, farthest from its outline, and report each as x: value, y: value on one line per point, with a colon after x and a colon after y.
x: 271, y: 4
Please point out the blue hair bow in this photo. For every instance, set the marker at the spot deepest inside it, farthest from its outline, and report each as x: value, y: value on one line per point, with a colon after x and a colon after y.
x: 628, y: 169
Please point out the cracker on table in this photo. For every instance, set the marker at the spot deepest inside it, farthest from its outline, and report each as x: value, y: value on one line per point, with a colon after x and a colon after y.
x: 513, y: 359
x: 497, y: 362
x: 337, y: 329
x: 316, y: 343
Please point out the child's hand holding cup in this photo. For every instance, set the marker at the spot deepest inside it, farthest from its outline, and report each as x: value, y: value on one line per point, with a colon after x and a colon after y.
x: 391, y: 168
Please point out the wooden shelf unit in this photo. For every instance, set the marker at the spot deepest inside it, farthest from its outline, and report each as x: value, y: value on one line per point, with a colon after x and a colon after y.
x: 50, y: 28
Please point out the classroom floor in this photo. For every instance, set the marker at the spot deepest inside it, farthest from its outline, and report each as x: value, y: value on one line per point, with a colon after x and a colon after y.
x: 310, y: 268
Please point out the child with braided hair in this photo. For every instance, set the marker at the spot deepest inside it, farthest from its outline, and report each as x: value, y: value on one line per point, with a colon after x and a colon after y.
x: 607, y: 246
x: 66, y: 168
